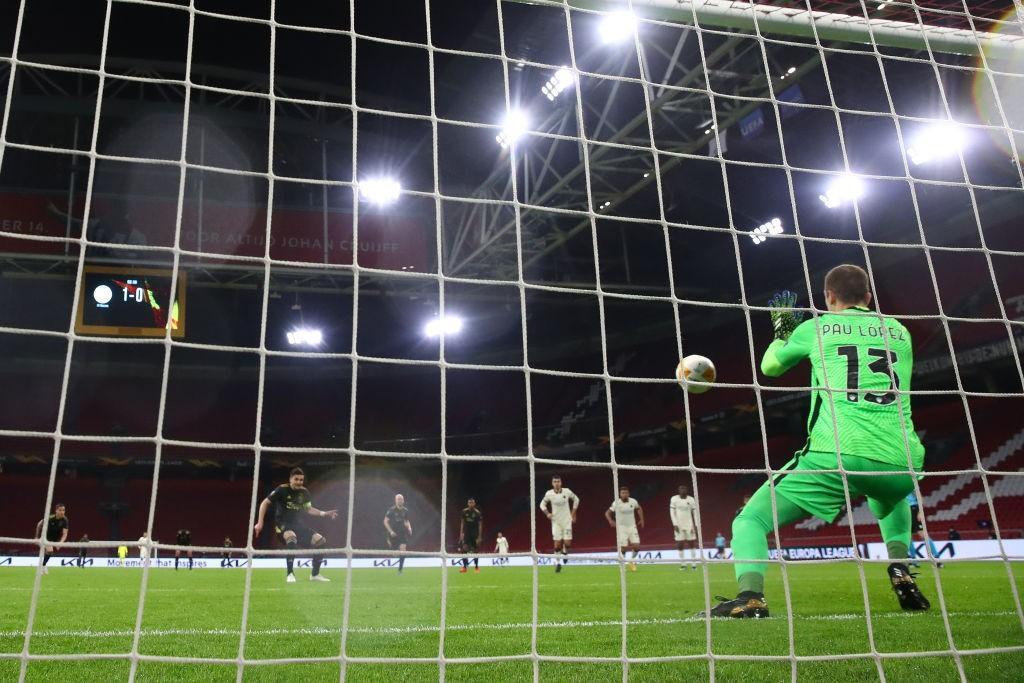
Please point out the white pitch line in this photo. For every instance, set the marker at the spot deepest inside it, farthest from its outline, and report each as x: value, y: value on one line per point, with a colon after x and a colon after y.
x: 399, y: 630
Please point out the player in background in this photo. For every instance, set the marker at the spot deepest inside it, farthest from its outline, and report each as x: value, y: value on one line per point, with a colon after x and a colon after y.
x: 917, y: 527
x: 560, y: 505
x: 398, y: 528
x: 682, y: 510
x: 719, y: 546
x: 471, y: 532
x: 122, y: 553
x: 83, y: 551
x: 56, y: 531
x: 144, y: 550
x: 184, y: 538
x: 865, y: 358
x: 501, y: 545
x: 292, y: 506
x: 625, y: 515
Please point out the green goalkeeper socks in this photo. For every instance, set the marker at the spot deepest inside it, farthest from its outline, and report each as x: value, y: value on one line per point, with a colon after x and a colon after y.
x: 898, y: 550
x: 751, y: 582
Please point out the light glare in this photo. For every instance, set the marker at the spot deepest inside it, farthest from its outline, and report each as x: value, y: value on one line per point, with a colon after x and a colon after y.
x: 305, y: 336
x: 446, y: 325
x: 617, y: 27
x: 842, y: 190
x: 513, y: 128
x: 938, y: 141
x: 762, y: 232
x: 562, y: 79
x: 380, y: 190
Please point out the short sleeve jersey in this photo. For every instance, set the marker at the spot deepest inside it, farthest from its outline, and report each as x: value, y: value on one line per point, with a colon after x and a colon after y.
x: 625, y: 512
x: 471, y: 519
x: 397, y: 517
x: 502, y: 545
x: 681, y: 511
x: 289, y: 503
x: 561, y: 504
x: 719, y: 541
x: 55, y: 527
x: 184, y: 537
x: 854, y: 354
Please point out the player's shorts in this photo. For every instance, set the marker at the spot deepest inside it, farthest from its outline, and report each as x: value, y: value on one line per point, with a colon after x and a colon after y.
x: 469, y: 545
x: 561, y: 532
x: 685, y: 534
x: 395, y: 542
x: 143, y: 554
x: 303, y: 534
x: 627, y: 535
x: 822, y: 494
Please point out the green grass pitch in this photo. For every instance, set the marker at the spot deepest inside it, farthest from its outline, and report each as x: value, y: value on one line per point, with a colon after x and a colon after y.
x: 198, y: 614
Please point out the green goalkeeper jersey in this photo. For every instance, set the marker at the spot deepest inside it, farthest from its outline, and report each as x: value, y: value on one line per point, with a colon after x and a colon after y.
x: 866, y: 416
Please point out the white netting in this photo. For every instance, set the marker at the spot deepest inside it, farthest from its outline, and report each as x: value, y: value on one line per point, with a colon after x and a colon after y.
x: 997, y: 44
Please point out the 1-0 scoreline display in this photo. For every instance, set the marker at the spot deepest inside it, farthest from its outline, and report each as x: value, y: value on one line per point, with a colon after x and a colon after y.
x: 130, y: 302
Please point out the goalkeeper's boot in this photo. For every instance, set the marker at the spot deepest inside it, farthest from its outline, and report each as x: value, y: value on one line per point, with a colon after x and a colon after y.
x: 906, y: 589
x: 318, y: 577
x: 747, y: 605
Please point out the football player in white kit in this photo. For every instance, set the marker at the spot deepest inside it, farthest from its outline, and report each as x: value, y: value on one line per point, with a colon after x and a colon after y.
x: 560, y: 505
x: 501, y: 545
x: 144, y: 549
x: 682, y: 510
x: 628, y: 515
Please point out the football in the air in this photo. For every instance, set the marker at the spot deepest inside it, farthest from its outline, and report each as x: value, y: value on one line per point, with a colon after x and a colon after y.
x: 695, y: 368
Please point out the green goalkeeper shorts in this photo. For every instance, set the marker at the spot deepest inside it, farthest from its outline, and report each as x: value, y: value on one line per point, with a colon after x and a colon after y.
x: 822, y: 494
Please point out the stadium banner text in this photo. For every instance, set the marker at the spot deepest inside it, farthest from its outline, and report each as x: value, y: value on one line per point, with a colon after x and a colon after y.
x: 988, y: 549
x: 387, y: 241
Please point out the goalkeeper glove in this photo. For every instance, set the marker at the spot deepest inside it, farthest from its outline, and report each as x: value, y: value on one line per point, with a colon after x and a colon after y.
x: 784, y: 320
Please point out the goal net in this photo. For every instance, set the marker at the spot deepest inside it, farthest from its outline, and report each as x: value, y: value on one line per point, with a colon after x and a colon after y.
x: 432, y: 256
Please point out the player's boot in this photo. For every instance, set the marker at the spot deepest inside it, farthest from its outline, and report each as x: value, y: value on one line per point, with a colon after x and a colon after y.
x: 558, y: 566
x: 319, y: 577
x: 746, y: 605
x: 632, y: 566
x: 290, y: 579
x: 906, y: 589
x: 476, y: 570
x: 463, y: 570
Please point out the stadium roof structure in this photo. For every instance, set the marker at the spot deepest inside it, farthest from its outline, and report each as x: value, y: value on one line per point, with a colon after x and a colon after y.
x: 700, y: 88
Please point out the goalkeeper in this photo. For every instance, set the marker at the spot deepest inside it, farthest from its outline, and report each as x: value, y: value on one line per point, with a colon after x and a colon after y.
x: 866, y: 359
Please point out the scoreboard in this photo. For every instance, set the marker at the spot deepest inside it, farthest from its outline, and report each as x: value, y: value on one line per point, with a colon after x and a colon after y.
x: 130, y: 302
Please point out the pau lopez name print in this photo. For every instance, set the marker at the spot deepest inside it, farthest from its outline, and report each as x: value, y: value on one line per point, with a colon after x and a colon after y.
x: 871, y: 331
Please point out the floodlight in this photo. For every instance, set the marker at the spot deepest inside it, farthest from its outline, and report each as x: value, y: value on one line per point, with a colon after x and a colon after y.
x: 445, y: 325
x: 842, y: 190
x: 380, y: 190
x: 617, y: 27
x: 762, y: 232
x: 305, y: 336
x: 562, y: 79
x: 513, y: 128
x: 938, y: 141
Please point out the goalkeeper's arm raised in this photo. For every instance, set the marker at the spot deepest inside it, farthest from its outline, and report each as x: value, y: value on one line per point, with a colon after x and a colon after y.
x: 792, y: 341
